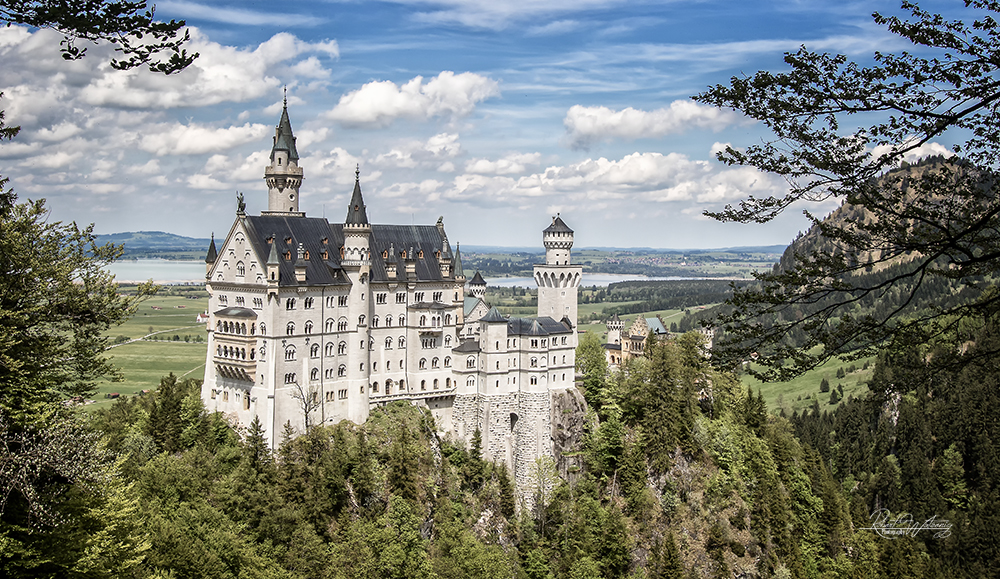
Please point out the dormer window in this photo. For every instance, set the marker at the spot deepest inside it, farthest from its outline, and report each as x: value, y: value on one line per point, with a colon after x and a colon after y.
x: 420, y: 254
x: 288, y: 240
x: 288, y: 256
x: 270, y: 240
x: 325, y: 255
x: 324, y: 241
x: 305, y: 255
x: 385, y: 254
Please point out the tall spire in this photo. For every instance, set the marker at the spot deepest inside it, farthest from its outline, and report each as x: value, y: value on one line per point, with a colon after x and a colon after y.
x: 356, y: 214
x: 283, y: 176
x: 457, y: 264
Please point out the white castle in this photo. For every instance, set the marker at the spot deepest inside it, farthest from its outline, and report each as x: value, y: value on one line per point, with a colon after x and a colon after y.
x: 313, y: 322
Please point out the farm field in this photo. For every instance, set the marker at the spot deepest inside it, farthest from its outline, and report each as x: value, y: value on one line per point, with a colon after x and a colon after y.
x: 165, y: 340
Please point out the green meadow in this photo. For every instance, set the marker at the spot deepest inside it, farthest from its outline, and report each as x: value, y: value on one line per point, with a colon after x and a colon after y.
x: 162, y: 337
x: 800, y: 393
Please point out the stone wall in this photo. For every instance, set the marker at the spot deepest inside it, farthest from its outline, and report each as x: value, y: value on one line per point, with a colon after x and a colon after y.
x: 569, y: 416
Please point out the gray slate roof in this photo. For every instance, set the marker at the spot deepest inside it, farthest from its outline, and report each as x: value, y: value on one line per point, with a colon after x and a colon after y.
x: 477, y: 280
x: 237, y: 312
x: 311, y: 231
x: 543, y: 326
x: 284, y: 140
x: 558, y: 226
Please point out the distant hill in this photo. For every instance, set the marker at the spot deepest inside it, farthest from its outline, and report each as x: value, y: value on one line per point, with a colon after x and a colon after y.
x: 160, y: 240
x: 157, y: 244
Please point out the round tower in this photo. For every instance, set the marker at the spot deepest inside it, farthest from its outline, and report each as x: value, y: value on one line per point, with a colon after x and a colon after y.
x: 477, y: 286
x: 283, y: 176
x: 558, y: 241
x: 558, y: 279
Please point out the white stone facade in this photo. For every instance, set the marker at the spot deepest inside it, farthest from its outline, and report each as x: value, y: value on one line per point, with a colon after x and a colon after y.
x: 313, y: 322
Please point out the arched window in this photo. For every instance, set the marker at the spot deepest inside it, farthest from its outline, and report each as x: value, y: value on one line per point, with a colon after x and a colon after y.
x: 447, y: 361
x: 471, y: 382
x: 447, y: 340
x: 329, y: 325
x: 423, y: 363
x: 447, y: 319
x: 374, y: 321
x: 402, y: 342
x: 342, y: 325
x: 423, y: 321
x: 435, y: 383
x: 328, y: 350
x: 388, y: 320
x: 361, y: 320
x: 434, y: 363
x: 309, y: 327
x: 308, y: 303
x: 290, y: 353
x: 447, y: 383
x: 534, y: 362
x: 262, y: 350
x: 241, y: 270
x: 423, y: 384
x: 342, y: 348
x: 290, y: 328
x: 402, y: 320
x: 290, y: 304
x: 470, y: 362
x: 342, y: 371
x: 388, y: 343
x: 314, y: 374
x: 314, y: 351
x: 263, y: 329
x: 374, y: 386
x: 388, y: 386
x: 218, y: 326
x: 290, y: 378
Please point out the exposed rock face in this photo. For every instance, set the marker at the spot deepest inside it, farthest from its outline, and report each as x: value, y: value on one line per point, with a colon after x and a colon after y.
x: 569, y: 415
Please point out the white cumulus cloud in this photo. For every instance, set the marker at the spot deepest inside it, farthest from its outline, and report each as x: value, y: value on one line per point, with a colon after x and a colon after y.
x: 193, y: 139
x: 379, y: 103
x: 587, y: 125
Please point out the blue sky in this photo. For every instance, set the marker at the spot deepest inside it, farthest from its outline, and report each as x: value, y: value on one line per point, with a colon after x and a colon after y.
x: 494, y: 114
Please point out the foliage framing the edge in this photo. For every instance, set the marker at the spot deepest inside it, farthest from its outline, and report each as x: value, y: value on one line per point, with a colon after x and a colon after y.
x: 944, y: 222
x: 128, y: 25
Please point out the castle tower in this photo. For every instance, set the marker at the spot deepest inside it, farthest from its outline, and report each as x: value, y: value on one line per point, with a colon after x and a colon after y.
x: 283, y: 176
x: 558, y: 280
x: 615, y: 326
x: 212, y: 255
x: 356, y: 261
x: 477, y: 286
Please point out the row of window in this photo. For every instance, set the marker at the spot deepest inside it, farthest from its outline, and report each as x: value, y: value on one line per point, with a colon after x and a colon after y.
x: 233, y: 353
x: 238, y: 328
x: 245, y: 397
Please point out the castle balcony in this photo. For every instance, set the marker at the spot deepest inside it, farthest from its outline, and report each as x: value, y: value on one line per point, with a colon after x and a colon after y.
x: 242, y: 371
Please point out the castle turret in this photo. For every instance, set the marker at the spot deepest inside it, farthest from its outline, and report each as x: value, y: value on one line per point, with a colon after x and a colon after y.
x: 213, y: 254
x: 615, y: 326
x: 273, y: 269
x: 283, y: 176
x: 356, y: 259
x: 558, y: 280
x: 477, y: 286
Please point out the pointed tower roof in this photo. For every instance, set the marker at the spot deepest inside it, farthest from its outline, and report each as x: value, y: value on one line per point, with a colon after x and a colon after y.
x: 272, y: 258
x: 213, y: 254
x: 493, y: 316
x: 284, y: 140
x: 356, y: 214
x: 457, y: 265
x: 558, y: 226
x: 477, y: 280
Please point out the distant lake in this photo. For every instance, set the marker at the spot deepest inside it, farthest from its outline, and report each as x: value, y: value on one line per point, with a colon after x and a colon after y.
x: 174, y: 271
x: 589, y: 279
x: 159, y: 270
